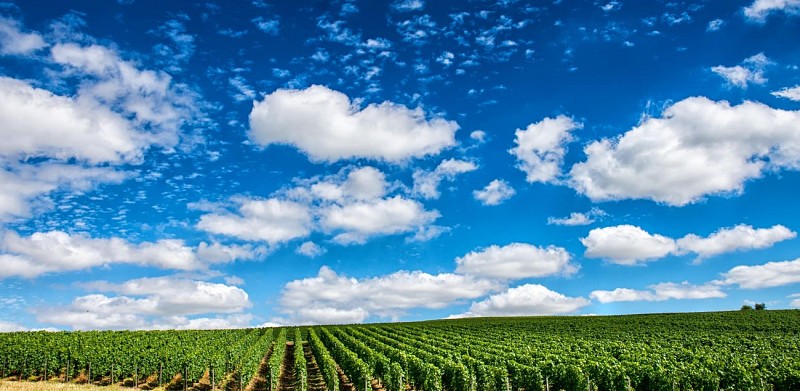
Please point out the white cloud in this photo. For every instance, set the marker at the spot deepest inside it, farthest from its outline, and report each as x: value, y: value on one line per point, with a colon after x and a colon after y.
x: 35, y: 122
x: 541, y: 147
x: 669, y: 161
x: 365, y: 183
x: 740, y: 237
x: 350, y: 184
x: 310, y: 249
x: 516, y: 261
x: 327, y: 126
x: 15, y: 42
x: 150, y: 98
x: 478, y: 135
x: 751, y: 71
x: 495, y: 193
x: 768, y: 275
x: 273, y: 221
x: 408, y: 5
x: 25, y: 185
x: 796, y: 302
x: 7, y: 327
x: 760, y: 9
x: 428, y: 232
x: 146, y: 303
x: 611, y: 6
x: 791, y: 93
x: 235, y: 321
x: 358, y: 221
x: 626, y: 245
x: 631, y: 245
x: 526, y: 300
x: 660, y: 292
x: 715, y: 25
x: 269, y: 26
x: 333, y: 298
x: 351, y: 205
x: 577, y: 218
x: 426, y: 183
x: 57, y: 251
x: 54, y: 142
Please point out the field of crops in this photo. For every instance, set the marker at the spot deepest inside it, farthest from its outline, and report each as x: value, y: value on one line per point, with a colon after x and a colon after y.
x: 752, y: 350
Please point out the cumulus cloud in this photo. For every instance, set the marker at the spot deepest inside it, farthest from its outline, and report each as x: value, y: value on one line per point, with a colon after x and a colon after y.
x: 768, y: 275
x: 354, y: 205
x: 154, y: 104
x: 478, y: 135
x: 791, y: 93
x: 146, y: 303
x: 750, y: 71
x: 760, y: 9
x: 669, y: 161
x: 358, y: 221
x: 626, y: 245
x: 577, y: 218
x: 516, y: 261
x: 76, y: 142
x: 740, y: 237
x: 35, y: 122
x: 495, y: 193
x: 272, y: 220
x: 525, y: 300
x: 310, y: 249
x: 426, y: 183
x: 15, y: 42
x: 660, y: 292
x: 334, y: 298
x: 631, y: 245
x: 57, y: 251
x: 327, y: 126
x: 541, y: 147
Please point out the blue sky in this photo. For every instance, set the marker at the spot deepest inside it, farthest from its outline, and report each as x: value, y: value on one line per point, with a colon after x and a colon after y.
x: 207, y: 164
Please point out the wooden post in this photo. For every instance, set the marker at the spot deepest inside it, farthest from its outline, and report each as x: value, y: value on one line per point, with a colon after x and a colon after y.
x: 136, y: 375
x: 66, y: 372
x: 160, y: 370
x: 90, y: 372
x: 112, y: 373
x: 547, y: 383
x: 185, y: 376
x: 45, y: 368
x: 213, y: 384
x: 508, y: 384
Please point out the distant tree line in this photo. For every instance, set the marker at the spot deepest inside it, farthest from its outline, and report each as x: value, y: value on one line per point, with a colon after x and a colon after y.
x: 758, y: 307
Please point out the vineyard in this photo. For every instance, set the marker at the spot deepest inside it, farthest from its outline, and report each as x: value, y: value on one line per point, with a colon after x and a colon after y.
x: 755, y: 350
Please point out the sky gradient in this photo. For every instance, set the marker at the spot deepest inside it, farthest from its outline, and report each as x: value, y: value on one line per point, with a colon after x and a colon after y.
x: 207, y: 165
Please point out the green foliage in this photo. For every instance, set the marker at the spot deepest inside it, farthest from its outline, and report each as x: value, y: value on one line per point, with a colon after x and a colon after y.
x: 726, y: 351
x: 326, y: 363
x: 300, y: 361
